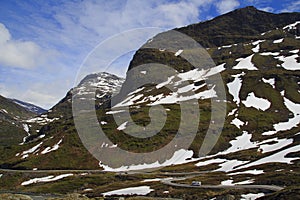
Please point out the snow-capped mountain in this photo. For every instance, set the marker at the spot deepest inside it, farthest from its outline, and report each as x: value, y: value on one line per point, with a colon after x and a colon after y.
x: 259, y: 143
x: 32, y: 108
x: 103, y: 84
x: 53, y: 130
x: 262, y: 95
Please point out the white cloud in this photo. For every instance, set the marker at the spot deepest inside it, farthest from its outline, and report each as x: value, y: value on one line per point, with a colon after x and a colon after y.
x: 83, y: 25
x: 74, y: 28
x: 45, y: 99
x: 95, y: 18
x: 267, y: 9
x: 292, y: 7
x: 20, y: 54
x: 259, y: 2
x: 225, y: 6
x: 4, y: 33
x: 40, y: 93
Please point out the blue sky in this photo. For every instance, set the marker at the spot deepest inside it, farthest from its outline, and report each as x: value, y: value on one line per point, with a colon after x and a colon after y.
x: 44, y: 43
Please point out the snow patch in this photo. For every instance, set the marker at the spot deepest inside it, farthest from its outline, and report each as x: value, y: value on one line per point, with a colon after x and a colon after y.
x: 129, y: 101
x: 180, y: 157
x: 215, y: 70
x: 227, y: 182
x: 278, y: 41
x: 178, y: 52
x: 251, y: 196
x: 292, y: 122
x: 31, y: 150
x: 245, y: 63
x: 280, y: 143
x: 45, y: 179
x: 270, y: 81
x: 136, y: 91
x: 4, y: 111
x: 53, y: 148
x: 226, y: 46
x: 122, y: 126
x: 257, y: 42
x: 254, y: 172
x: 235, y: 86
x: 295, y: 51
x: 41, y: 136
x: 290, y: 62
x: 232, y: 112
x: 230, y: 182
x: 270, y: 53
x: 229, y: 165
x: 155, y: 180
x: 292, y: 26
x: 42, y: 120
x: 279, y: 157
x: 256, y: 49
x: 158, y: 86
x: 25, y: 156
x: 26, y: 129
x: 140, y: 190
x: 208, y: 162
x: 176, y: 98
x: 246, y: 182
x: 178, y: 81
x: 114, y: 112
x: 242, y: 142
x: 258, y: 103
x: 237, y: 122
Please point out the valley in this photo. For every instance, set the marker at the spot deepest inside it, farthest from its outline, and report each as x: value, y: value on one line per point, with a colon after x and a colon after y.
x: 245, y: 108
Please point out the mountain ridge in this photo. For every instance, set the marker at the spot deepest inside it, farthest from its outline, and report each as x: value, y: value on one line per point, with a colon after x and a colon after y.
x: 224, y: 30
x: 29, y: 106
x: 242, y: 23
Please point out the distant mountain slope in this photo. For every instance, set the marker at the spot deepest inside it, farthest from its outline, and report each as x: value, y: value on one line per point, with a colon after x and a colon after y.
x: 12, y: 130
x: 30, y: 107
x: 52, y: 135
x: 12, y: 109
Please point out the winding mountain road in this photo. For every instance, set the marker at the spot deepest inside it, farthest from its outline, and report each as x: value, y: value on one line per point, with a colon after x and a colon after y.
x: 185, y: 175
x: 266, y: 187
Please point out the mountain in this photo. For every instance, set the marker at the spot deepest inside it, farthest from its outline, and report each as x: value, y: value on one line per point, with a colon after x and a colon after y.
x: 264, y: 48
x: 238, y: 26
x: 30, y: 107
x: 11, y: 116
x: 247, y: 79
x: 54, y: 131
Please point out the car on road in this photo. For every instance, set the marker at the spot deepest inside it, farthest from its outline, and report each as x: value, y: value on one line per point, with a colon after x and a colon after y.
x: 196, y: 183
